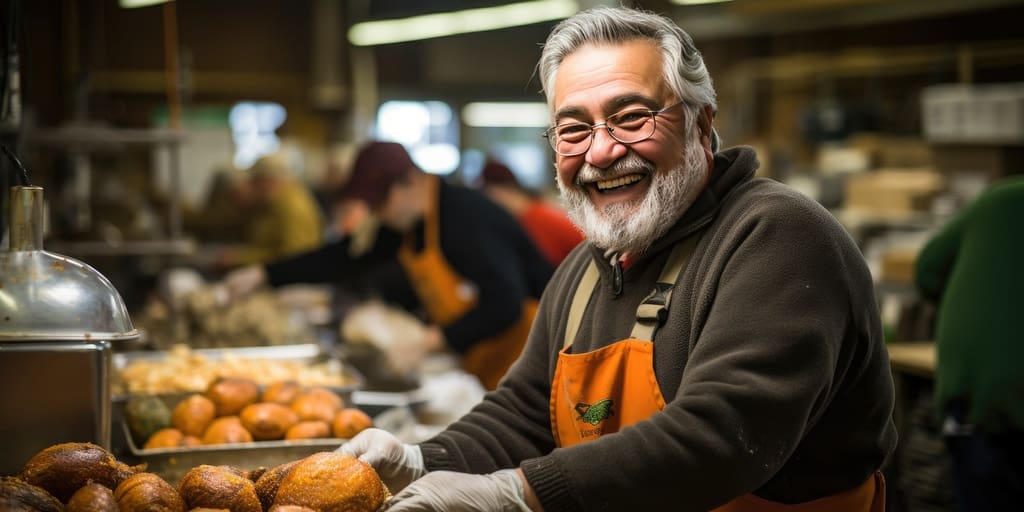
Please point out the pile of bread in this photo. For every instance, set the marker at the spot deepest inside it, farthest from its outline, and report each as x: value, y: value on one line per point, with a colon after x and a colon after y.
x: 77, y: 477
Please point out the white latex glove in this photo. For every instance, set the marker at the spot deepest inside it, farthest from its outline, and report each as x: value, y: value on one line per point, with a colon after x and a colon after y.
x: 501, y: 491
x: 397, y: 463
x: 245, y: 280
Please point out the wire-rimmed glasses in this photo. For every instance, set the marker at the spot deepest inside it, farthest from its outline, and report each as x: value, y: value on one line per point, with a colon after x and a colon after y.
x: 627, y: 126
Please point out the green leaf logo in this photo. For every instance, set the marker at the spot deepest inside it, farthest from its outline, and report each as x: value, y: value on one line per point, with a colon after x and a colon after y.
x: 597, y: 412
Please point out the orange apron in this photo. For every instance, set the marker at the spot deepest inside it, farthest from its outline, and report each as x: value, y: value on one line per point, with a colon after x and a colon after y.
x: 446, y: 296
x: 601, y: 392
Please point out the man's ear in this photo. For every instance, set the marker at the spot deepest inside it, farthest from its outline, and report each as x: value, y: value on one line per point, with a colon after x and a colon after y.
x: 704, y: 121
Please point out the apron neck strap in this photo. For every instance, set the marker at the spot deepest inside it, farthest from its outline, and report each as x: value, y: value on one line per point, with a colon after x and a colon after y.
x: 651, y: 312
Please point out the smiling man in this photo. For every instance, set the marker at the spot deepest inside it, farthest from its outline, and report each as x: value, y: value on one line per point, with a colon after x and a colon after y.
x: 713, y: 345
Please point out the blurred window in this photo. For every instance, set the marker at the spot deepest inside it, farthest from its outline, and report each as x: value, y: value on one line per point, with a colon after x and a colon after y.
x: 426, y: 128
x: 253, y: 128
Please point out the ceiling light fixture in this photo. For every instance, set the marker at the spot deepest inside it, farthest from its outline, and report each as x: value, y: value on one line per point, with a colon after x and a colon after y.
x: 131, y: 4
x: 429, y: 26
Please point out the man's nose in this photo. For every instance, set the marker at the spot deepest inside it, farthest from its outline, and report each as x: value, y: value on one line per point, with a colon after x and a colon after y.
x: 604, y: 149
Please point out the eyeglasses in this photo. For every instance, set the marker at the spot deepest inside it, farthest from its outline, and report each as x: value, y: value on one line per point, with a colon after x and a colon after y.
x: 628, y: 127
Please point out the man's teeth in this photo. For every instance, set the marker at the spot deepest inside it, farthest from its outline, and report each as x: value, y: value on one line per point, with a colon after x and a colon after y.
x: 619, y: 182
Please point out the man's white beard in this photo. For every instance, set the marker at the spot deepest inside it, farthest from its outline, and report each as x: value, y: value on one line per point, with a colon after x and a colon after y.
x: 632, y: 227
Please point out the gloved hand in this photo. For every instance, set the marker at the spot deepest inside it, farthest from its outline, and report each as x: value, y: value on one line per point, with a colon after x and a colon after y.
x: 501, y: 491
x: 245, y: 280
x: 397, y: 463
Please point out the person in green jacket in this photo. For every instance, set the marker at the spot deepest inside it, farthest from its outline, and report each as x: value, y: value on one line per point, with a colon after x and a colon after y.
x: 974, y: 267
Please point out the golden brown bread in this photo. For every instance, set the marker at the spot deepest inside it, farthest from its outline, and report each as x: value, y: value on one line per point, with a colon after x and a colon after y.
x: 332, y: 482
x: 192, y: 415
x: 147, y: 492
x: 350, y: 421
x: 317, y: 404
x: 282, y: 392
x: 267, y: 421
x: 92, y: 497
x: 290, y: 508
x: 309, y: 430
x: 16, y: 495
x: 219, y: 487
x: 226, y: 430
x: 231, y: 394
x: 266, y: 485
x: 164, y: 438
x: 63, y: 468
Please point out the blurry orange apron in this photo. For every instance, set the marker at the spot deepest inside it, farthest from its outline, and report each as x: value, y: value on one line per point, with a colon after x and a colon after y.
x: 600, y: 392
x: 446, y: 296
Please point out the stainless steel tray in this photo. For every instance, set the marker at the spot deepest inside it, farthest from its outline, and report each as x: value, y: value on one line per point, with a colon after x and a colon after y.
x: 172, y: 463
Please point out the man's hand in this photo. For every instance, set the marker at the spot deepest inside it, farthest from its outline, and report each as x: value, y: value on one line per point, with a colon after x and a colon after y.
x: 397, y: 463
x: 501, y: 491
x: 243, y: 281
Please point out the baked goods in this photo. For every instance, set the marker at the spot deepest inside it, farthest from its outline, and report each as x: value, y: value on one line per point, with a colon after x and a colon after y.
x: 62, y: 469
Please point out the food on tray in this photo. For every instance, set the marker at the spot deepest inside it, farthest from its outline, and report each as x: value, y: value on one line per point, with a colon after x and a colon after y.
x: 350, y: 421
x: 284, y: 392
x: 165, y: 438
x: 231, y: 394
x: 322, y: 481
x: 16, y: 494
x: 268, y: 420
x: 312, y: 429
x: 226, y: 430
x: 192, y: 415
x: 332, y: 481
x: 317, y: 404
x: 92, y: 497
x: 196, y: 418
x: 184, y: 370
x: 219, y: 487
x: 63, y: 468
x: 146, y: 492
x: 145, y: 415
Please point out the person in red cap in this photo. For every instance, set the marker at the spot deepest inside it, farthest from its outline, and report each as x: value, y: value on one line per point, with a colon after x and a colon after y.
x: 547, y: 224
x: 441, y: 250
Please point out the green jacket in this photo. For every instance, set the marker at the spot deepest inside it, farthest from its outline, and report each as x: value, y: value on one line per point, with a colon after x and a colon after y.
x: 974, y: 266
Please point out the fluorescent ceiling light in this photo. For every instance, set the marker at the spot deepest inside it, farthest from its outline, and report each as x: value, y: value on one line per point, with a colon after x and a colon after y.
x: 129, y: 4
x: 508, y: 114
x: 459, y: 22
x: 698, y: 2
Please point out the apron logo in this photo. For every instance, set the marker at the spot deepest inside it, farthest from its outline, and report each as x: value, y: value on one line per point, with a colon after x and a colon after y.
x: 595, y: 413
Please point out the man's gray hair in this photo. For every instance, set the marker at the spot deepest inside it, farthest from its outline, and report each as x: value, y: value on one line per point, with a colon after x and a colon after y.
x: 682, y: 65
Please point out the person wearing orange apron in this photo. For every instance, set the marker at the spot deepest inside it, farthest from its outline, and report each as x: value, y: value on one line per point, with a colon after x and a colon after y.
x: 446, y: 296
x: 600, y: 392
x: 441, y: 250
x: 725, y: 353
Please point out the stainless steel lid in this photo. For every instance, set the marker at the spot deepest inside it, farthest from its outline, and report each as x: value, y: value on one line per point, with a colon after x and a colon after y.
x: 47, y: 296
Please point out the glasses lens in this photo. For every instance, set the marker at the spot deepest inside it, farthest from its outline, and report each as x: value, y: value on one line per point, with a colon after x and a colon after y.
x: 570, y: 138
x: 632, y: 125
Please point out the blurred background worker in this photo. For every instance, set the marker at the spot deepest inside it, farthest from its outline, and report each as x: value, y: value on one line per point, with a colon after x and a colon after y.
x: 223, y: 213
x: 973, y: 267
x: 442, y: 250
x: 285, y: 218
x: 546, y: 223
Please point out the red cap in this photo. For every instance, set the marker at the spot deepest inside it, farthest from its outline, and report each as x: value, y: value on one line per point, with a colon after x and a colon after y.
x: 377, y: 167
x: 497, y: 173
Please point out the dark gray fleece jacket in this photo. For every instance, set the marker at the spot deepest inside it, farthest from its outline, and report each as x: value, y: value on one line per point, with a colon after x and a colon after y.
x: 771, y: 361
